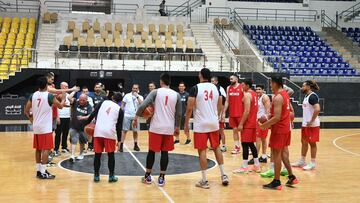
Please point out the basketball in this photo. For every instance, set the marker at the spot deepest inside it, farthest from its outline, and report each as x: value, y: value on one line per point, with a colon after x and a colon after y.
x: 89, y: 129
x: 148, y: 112
x: 263, y: 119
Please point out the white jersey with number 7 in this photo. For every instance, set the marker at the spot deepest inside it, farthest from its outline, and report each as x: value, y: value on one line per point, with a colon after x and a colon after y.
x: 205, y: 112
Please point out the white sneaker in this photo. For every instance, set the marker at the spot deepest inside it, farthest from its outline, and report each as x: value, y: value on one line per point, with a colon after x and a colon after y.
x: 301, y: 163
x: 203, y: 184
x: 309, y: 167
x: 80, y: 157
x: 223, y: 148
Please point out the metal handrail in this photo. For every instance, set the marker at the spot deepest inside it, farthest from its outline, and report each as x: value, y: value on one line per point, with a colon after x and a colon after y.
x: 225, y: 37
x: 15, y: 7
x: 277, y: 14
x: 218, y: 12
x: 238, y: 21
x: 186, y: 7
x: 154, y: 9
x: 350, y: 11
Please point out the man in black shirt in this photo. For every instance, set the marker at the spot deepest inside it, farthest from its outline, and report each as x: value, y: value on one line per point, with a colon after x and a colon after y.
x: 184, y: 98
x: 79, y: 108
x: 151, y: 87
x: 98, y: 96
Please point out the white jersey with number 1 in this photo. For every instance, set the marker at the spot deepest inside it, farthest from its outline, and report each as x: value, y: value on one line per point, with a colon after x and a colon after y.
x: 163, y: 121
x: 106, y: 120
x: 205, y: 112
x: 42, y: 112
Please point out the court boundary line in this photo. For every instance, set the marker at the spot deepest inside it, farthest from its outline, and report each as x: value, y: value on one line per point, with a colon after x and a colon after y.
x: 153, y: 182
x: 80, y: 172
x: 343, y: 149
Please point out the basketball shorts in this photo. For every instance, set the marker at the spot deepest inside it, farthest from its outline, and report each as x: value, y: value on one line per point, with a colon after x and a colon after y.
x: 234, y: 122
x: 310, y: 134
x: 279, y: 140
x: 43, y: 141
x: 201, y: 139
x: 248, y: 135
x: 104, y: 144
x: 159, y: 142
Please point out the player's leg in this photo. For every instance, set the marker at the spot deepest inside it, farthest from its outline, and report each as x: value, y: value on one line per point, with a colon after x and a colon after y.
x: 38, y: 162
x: 304, y: 148
x: 98, y: 149
x: 121, y: 143
x: 167, y: 144
x: 83, y: 140
x: 58, y: 132
x: 258, y: 144
x: 254, y: 152
x: 234, y: 122
x: 244, y: 167
x: 215, y: 145
x: 200, y: 143
x: 285, y: 159
x: 135, y: 135
x: 74, y: 138
x: 312, y: 164
x: 263, y: 158
x: 125, y: 128
x: 222, y: 137
x: 177, y: 137
x: 65, y: 133
x: 150, y: 159
x: 270, y: 172
x: 277, y: 157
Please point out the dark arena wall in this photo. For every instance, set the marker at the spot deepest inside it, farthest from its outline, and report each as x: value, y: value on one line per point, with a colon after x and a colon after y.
x: 340, y: 99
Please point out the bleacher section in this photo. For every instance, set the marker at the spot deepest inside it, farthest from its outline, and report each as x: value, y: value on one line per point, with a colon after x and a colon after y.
x: 16, y: 39
x: 353, y: 33
x: 298, y: 51
x: 103, y: 36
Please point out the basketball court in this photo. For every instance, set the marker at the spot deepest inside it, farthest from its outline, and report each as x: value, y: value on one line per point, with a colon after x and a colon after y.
x: 334, y: 180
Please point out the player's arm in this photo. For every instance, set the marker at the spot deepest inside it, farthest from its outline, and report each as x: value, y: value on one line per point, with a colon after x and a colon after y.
x: 189, y: 109
x: 314, y: 101
x: 53, y: 101
x: 289, y: 90
x: 219, y: 105
x: 278, y: 102
x: 247, y: 102
x: 123, y: 103
x: 178, y: 115
x: 27, y: 109
x: 61, y: 91
x: 267, y: 104
x: 226, y: 106
x: 93, y: 115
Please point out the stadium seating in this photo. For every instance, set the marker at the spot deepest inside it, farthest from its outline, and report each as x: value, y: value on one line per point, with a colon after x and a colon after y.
x: 16, y: 36
x: 353, y: 33
x: 108, y: 36
x: 298, y: 51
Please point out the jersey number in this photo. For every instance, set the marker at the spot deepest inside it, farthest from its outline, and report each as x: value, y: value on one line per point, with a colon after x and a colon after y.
x: 208, y: 96
x: 108, y: 110
x: 39, y: 101
x: 166, y: 100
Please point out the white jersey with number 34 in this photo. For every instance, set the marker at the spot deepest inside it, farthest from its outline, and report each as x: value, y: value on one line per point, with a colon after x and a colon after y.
x: 205, y: 112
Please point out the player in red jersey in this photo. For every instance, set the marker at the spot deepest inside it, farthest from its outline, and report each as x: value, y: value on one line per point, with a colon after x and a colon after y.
x: 234, y: 103
x: 280, y: 133
x: 247, y: 127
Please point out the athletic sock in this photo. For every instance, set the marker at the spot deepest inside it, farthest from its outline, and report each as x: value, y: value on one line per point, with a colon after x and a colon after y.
x: 222, y: 171
x: 245, y: 163
x: 256, y: 161
x: 42, y: 168
x: 237, y: 143
x: 302, y: 159
x: 38, y: 167
x: 203, y: 174
x: 73, y: 148
x: 313, y: 161
x: 264, y: 156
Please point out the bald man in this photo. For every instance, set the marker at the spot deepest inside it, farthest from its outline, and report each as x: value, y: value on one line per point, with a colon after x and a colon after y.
x: 63, y: 122
x: 80, y: 108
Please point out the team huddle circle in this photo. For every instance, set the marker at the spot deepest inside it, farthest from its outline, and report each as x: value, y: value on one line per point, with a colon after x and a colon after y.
x: 126, y: 165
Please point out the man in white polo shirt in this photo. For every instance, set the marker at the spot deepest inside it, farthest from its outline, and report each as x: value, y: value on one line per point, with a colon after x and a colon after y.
x: 130, y: 104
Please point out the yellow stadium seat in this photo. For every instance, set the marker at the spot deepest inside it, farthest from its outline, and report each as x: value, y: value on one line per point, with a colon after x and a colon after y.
x: 7, y: 20
x: 13, y: 68
x: 4, y: 67
x: 32, y: 21
x: 24, y: 20
x: 15, y: 61
x: 24, y: 62
x: 5, y: 62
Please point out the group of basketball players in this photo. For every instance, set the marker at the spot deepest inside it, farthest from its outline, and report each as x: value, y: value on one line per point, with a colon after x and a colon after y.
x: 250, y: 113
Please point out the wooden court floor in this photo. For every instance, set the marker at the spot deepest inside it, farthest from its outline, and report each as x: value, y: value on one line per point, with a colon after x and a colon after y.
x: 335, y: 180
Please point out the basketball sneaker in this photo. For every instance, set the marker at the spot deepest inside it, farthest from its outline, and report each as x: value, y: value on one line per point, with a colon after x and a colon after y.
x: 256, y: 169
x: 301, y: 163
x: 161, y: 181
x: 121, y: 147
x: 38, y: 174
x: 72, y: 159
x: 241, y: 170
x: 113, y: 179
x: 236, y: 150
x: 146, y: 180
x: 80, y: 157
x: 225, y: 180
x: 274, y: 185
x: 251, y: 162
x: 65, y: 151
x: 187, y: 142
x: 310, y: 166
x: 262, y: 160
x: 203, y: 184
x: 268, y: 174
x: 136, y: 148
x: 56, y: 153
x: 223, y: 148
x: 96, y: 178
x: 47, y: 175
x: 176, y: 141
x: 292, y: 181
x: 284, y: 172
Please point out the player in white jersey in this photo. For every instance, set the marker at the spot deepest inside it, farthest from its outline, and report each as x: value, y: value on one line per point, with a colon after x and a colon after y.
x: 206, y: 103
x: 215, y: 81
x: 310, y: 131
x: 108, y: 127
x: 40, y: 104
x: 164, y: 124
x: 264, y: 106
